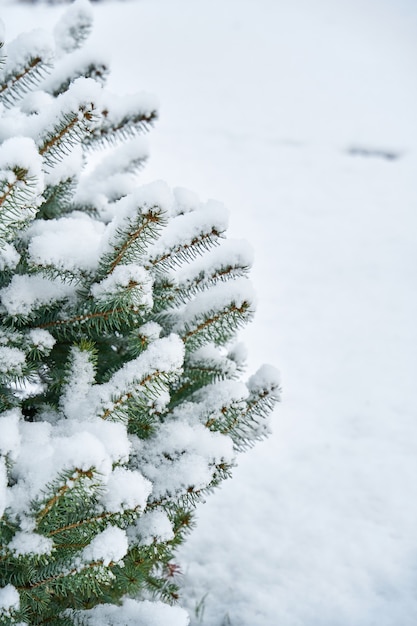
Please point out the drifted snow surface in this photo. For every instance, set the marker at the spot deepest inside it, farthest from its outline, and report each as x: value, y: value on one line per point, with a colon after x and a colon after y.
x: 300, y: 117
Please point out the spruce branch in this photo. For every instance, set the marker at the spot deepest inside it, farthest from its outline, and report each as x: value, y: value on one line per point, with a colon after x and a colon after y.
x: 116, y: 128
x: 17, y: 82
x: 216, y: 327
x: 184, y: 252
x: 67, y: 132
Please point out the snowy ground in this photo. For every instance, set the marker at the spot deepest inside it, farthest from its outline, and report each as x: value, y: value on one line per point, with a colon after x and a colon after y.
x: 300, y: 116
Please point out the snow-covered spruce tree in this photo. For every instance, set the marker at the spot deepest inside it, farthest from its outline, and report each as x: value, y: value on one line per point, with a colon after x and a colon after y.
x: 121, y: 403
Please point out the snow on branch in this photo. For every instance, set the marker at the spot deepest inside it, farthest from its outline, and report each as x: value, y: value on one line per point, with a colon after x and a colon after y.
x: 28, y: 59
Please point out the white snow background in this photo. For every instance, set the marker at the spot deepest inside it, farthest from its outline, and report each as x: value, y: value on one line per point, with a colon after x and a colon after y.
x: 301, y: 117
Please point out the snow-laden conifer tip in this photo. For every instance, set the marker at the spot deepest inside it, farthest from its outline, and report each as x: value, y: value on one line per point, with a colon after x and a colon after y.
x: 266, y: 379
x: 21, y: 153
x: 74, y: 26
x: 83, y: 92
x: 28, y: 46
x: 130, y: 278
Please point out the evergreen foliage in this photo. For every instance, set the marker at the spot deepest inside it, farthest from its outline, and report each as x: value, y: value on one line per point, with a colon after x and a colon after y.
x: 120, y: 392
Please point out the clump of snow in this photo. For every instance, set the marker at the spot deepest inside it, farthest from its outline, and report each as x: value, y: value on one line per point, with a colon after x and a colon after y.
x: 266, y: 379
x: 126, y: 489
x: 12, y: 361
x: 27, y: 293
x: 221, y: 394
x: 81, y: 93
x: 209, y: 356
x: 21, y: 152
x: 9, y: 600
x: 106, y: 443
x: 84, y: 94
x: 185, y: 201
x: 10, y: 436
x: 30, y: 543
x: 217, y: 298
x: 129, y: 276
x: 156, y: 196
x: 28, y: 46
x: 135, y: 613
x: 152, y: 526
x: 149, y: 332
x: 68, y: 243
x: 9, y: 257
x: 164, y: 355
x: 182, y: 457
x: 110, y: 546
x: 80, y: 378
x: 41, y: 339
x: 74, y: 65
x: 47, y: 450
x: 119, y: 108
x: 211, y: 219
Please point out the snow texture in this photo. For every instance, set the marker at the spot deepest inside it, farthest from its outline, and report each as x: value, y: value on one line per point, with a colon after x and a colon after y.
x: 10, y: 437
x: 11, y: 360
x: 126, y: 489
x: 69, y: 243
x: 153, y: 195
x: 182, y: 454
x: 30, y: 543
x: 79, y: 381
x: 9, y: 257
x: 134, y: 613
x: 136, y: 278
x: 27, y: 293
x: 70, y: 443
x: 150, y: 527
x: 110, y: 546
x: 27, y: 46
x: 41, y: 339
